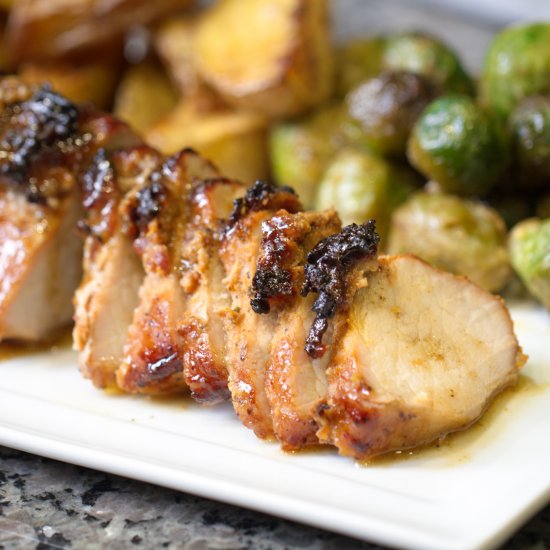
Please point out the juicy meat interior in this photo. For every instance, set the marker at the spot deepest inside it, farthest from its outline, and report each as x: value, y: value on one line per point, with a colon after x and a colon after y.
x: 423, y: 355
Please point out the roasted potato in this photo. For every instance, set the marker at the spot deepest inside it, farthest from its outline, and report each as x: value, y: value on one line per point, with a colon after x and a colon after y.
x: 144, y: 95
x: 84, y: 82
x: 39, y: 29
x: 273, y: 57
x: 173, y: 41
x: 235, y: 141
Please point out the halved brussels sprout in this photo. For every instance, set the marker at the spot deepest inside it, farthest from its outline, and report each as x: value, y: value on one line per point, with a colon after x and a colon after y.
x: 358, y: 60
x: 458, y: 235
x: 530, y: 255
x: 517, y: 65
x: 385, y: 108
x: 301, y: 149
x: 423, y: 54
x: 459, y: 145
x: 361, y: 185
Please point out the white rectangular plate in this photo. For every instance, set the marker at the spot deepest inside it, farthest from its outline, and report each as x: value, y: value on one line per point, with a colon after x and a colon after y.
x: 471, y: 492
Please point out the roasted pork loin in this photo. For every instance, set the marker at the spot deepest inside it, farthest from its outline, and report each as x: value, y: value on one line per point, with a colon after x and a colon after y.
x: 192, y: 282
x: 46, y: 143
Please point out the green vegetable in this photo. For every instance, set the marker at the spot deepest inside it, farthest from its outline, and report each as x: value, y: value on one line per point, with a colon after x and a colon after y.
x: 530, y: 255
x: 385, y: 108
x: 458, y: 145
x: 361, y: 185
x: 301, y: 149
x: 426, y: 55
x: 517, y: 65
x: 530, y: 128
x: 358, y: 60
x: 458, y: 235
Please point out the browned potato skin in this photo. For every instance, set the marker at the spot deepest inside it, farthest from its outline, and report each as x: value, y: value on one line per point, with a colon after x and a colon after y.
x: 173, y: 41
x: 89, y: 82
x: 235, y: 141
x: 144, y: 96
x: 299, y: 77
x: 46, y: 29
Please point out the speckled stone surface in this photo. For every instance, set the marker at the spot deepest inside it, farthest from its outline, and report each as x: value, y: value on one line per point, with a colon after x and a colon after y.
x: 48, y: 504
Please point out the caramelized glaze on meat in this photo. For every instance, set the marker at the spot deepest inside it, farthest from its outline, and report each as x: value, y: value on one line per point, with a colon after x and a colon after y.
x: 294, y: 382
x: 325, y: 273
x: 108, y: 294
x: 158, y: 215
x: 205, y: 365
x: 248, y: 335
x: 46, y: 144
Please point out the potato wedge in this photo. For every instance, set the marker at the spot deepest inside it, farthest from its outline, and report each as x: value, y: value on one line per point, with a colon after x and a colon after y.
x: 89, y: 82
x: 270, y: 56
x: 235, y: 141
x: 144, y: 95
x: 40, y: 29
x: 173, y: 41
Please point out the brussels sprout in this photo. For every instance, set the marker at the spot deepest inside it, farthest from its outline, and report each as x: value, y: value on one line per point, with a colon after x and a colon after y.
x: 517, y: 65
x: 426, y: 55
x: 530, y: 128
x: 361, y: 185
x: 459, y: 145
x: 458, y: 235
x: 358, y: 60
x: 530, y: 255
x: 301, y: 149
x: 385, y: 108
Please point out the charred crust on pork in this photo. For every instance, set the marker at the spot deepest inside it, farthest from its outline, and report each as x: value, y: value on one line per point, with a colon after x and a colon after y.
x: 45, y: 122
x: 325, y: 274
x: 275, y: 273
x: 148, y: 203
x: 262, y: 195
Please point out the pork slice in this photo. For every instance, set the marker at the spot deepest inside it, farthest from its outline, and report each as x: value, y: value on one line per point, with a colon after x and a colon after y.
x: 46, y: 143
x: 159, y: 215
x: 208, y: 300
x: 249, y: 335
x: 39, y: 265
x: 424, y: 354
x: 108, y: 294
x: 295, y: 382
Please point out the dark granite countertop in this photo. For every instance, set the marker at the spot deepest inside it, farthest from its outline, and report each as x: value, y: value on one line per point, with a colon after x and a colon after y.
x: 49, y: 504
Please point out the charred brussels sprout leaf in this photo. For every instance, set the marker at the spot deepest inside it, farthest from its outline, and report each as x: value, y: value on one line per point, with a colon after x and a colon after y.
x: 517, y: 65
x: 530, y: 255
x: 385, y: 108
x: 459, y: 145
x: 426, y: 55
x: 458, y: 235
